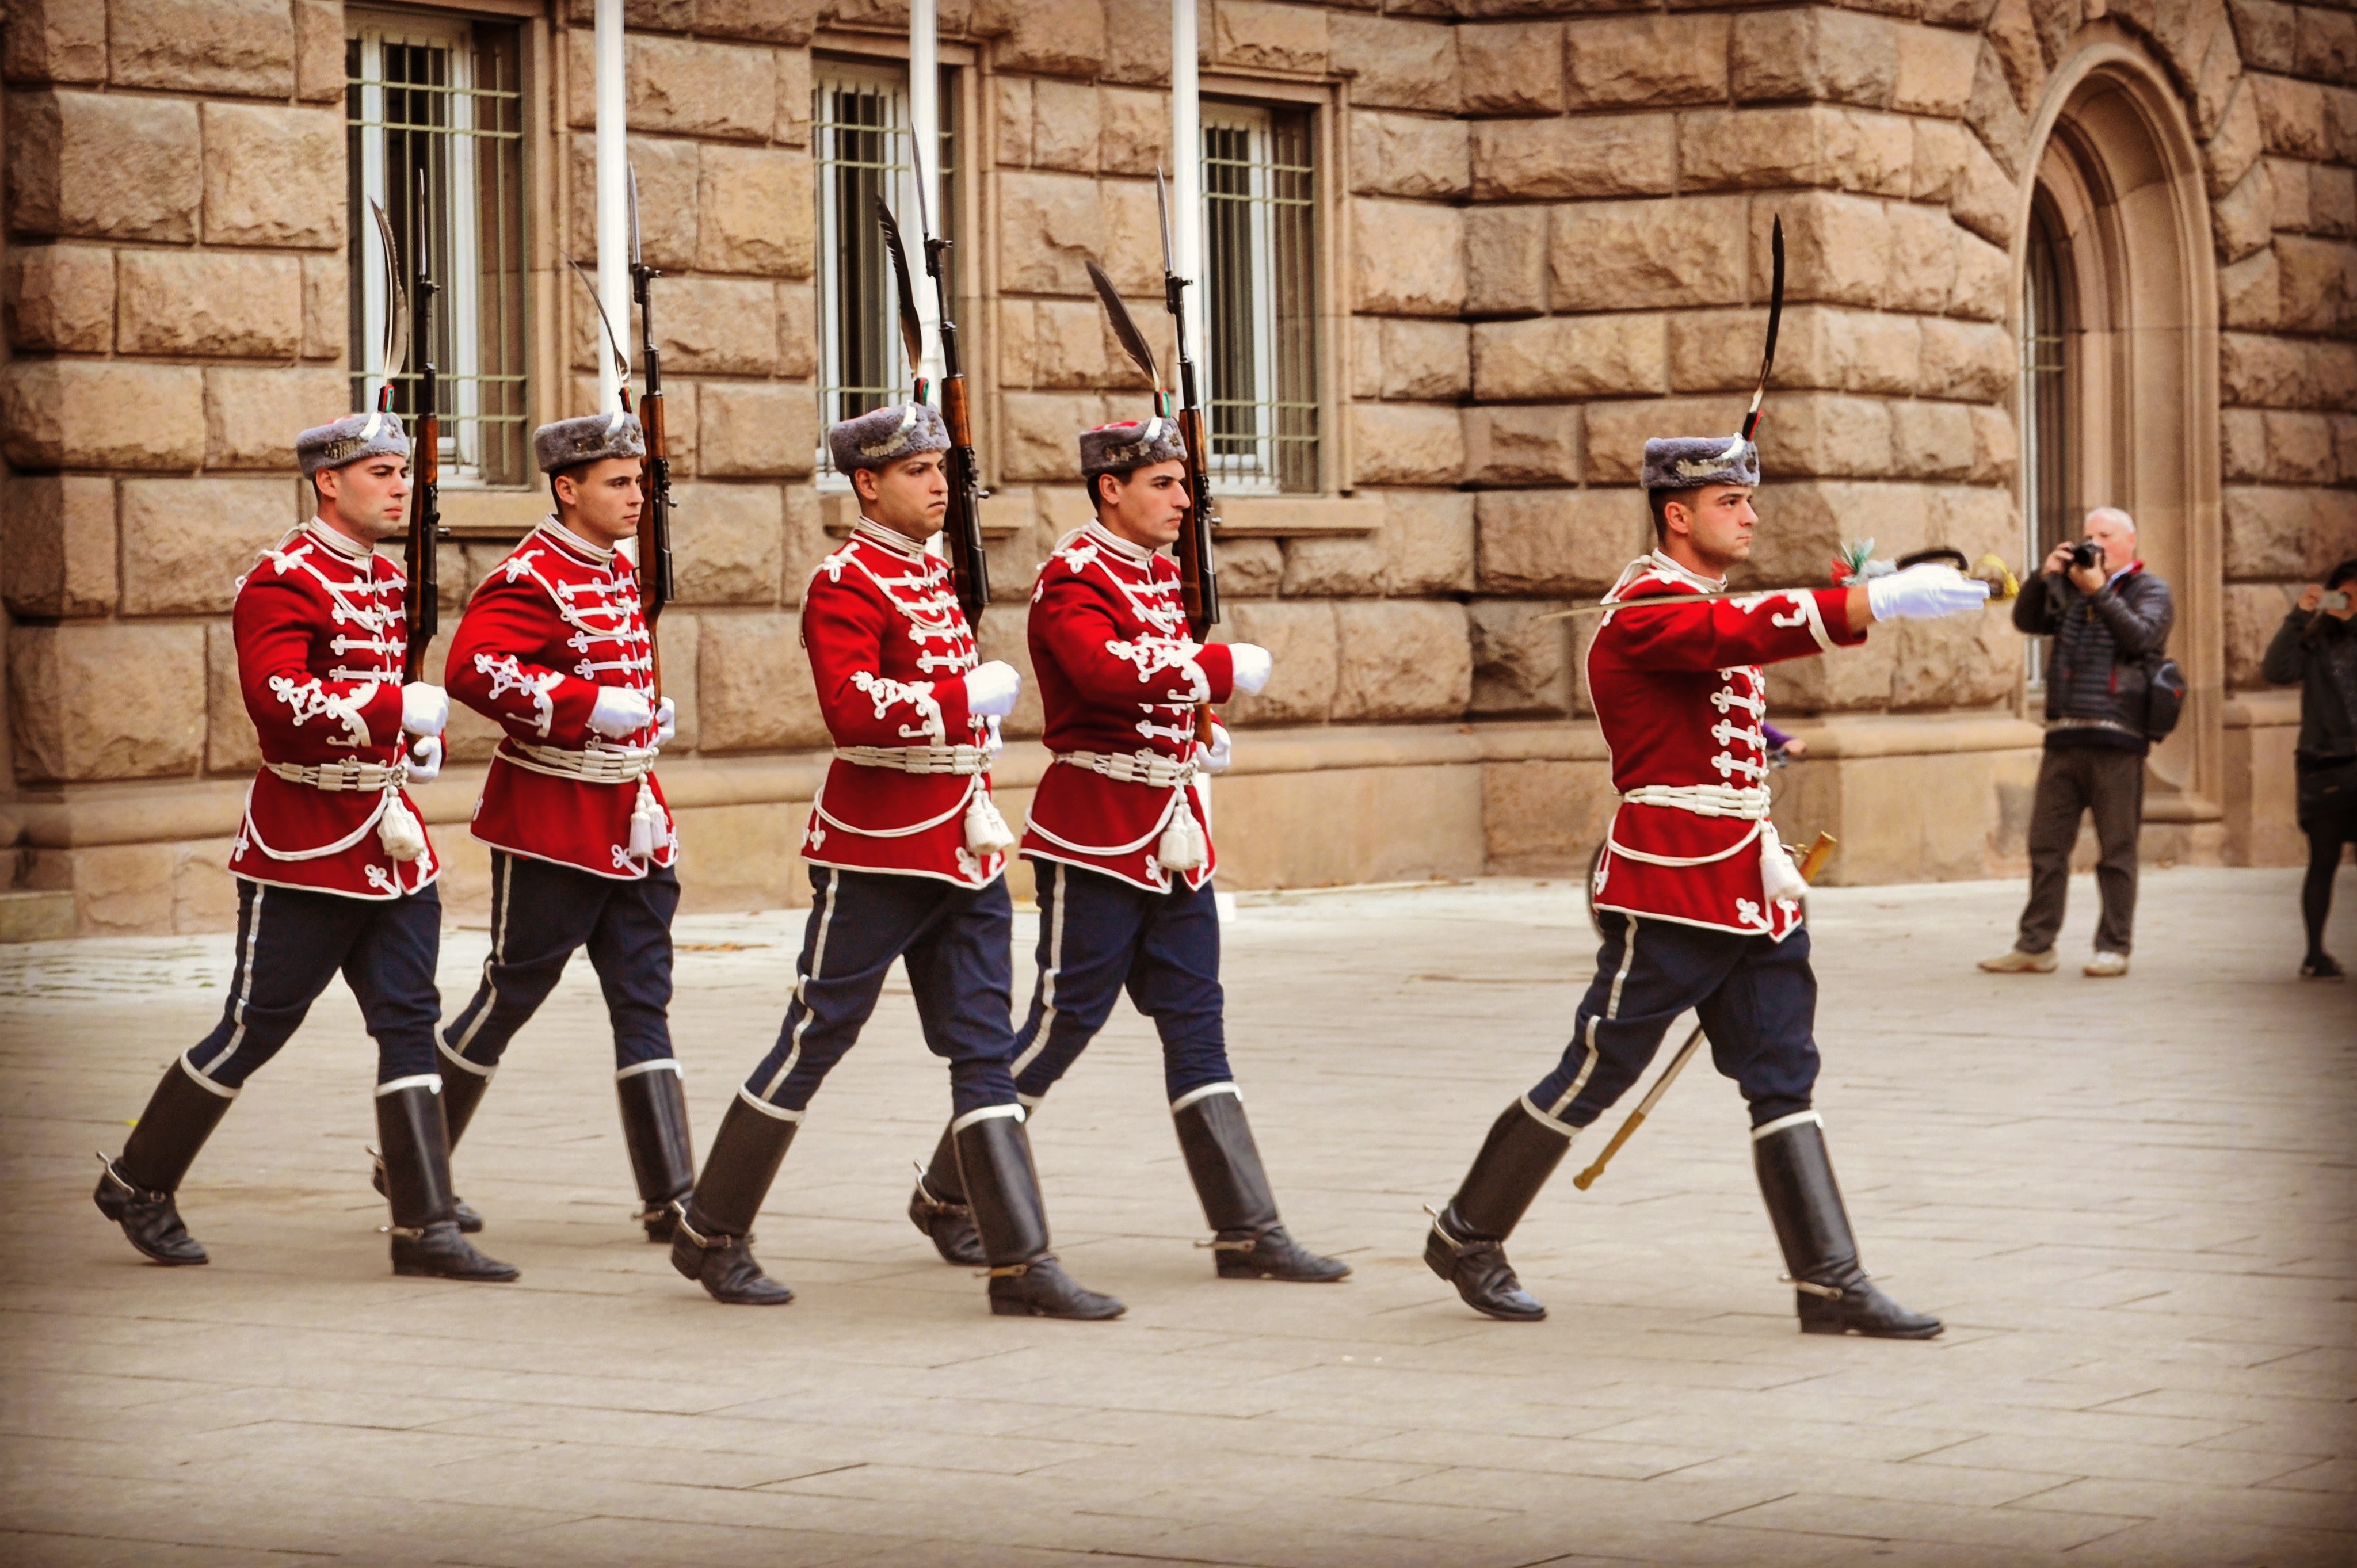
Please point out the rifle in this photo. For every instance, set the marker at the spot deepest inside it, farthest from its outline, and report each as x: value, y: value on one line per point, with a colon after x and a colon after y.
x: 423, y: 597
x: 969, y: 561
x: 1812, y: 861
x: 655, y: 582
x: 1198, y: 577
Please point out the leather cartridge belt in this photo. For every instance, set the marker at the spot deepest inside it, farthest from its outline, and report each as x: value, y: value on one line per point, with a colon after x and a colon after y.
x: 1148, y: 768
x: 965, y: 759
x: 1702, y: 799
x: 597, y: 764
x: 337, y: 777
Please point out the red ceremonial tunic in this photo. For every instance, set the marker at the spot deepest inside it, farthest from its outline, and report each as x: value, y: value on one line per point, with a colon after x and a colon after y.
x: 320, y: 634
x: 1116, y: 672
x: 553, y: 622
x: 1680, y: 695
x: 889, y: 648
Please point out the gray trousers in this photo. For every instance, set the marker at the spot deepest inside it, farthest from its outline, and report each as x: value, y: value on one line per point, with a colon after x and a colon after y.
x: 2072, y: 780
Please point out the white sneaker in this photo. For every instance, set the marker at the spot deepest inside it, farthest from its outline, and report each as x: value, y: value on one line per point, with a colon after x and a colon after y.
x: 2106, y: 965
x: 2020, y: 963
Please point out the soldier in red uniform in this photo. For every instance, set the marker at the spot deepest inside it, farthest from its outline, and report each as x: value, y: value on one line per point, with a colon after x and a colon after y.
x: 553, y: 649
x: 1699, y: 902
x: 908, y: 860
x: 1119, y: 837
x: 334, y: 871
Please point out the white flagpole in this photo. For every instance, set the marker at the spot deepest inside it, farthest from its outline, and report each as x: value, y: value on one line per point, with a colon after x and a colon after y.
x: 925, y: 141
x: 1187, y: 178
x: 613, y: 197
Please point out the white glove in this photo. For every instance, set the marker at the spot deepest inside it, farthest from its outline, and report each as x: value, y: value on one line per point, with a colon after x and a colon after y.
x: 991, y: 689
x: 425, y: 708
x: 666, y: 721
x: 424, y: 759
x: 620, y: 712
x: 1252, y: 664
x: 1924, y: 593
x: 1220, y: 752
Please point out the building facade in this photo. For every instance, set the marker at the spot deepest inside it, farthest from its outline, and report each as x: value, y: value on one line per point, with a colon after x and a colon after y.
x: 1462, y: 256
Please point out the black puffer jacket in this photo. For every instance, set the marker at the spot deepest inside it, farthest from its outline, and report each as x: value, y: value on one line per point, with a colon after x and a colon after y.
x: 2095, y: 669
x: 2322, y: 658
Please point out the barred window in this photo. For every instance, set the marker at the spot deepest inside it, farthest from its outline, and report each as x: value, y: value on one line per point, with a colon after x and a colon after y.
x: 2046, y: 388
x: 443, y: 96
x: 860, y: 129
x: 1260, y: 253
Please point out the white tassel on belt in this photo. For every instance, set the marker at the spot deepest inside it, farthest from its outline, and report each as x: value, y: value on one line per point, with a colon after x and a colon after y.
x: 1183, y: 847
x: 986, y: 832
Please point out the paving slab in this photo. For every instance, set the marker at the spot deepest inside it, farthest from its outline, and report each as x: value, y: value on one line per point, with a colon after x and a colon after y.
x: 2132, y: 1201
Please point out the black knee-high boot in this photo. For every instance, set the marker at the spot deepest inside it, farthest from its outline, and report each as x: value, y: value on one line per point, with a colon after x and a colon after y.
x: 1003, y: 1188
x: 1830, y: 1290
x: 1467, y: 1245
x: 1251, y: 1243
x: 135, y: 1189
x: 654, y: 1128
x: 462, y: 1092
x: 426, y: 1236
x: 938, y: 1209
x: 712, y: 1241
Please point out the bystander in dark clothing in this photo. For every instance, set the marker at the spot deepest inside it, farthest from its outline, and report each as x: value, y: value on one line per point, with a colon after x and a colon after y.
x: 2095, y: 744
x: 2317, y: 648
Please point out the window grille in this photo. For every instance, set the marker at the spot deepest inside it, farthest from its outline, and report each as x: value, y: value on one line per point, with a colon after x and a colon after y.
x: 860, y: 122
x: 443, y: 96
x: 1259, y: 231
x: 2046, y: 509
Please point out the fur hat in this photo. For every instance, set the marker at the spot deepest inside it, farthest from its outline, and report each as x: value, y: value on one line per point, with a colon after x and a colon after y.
x: 1134, y: 444
x: 571, y: 443
x: 349, y: 439
x: 1685, y: 462
x: 885, y: 435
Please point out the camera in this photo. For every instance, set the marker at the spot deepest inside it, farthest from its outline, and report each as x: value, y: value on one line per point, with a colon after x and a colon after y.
x: 2085, y: 554
x: 2334, y: 601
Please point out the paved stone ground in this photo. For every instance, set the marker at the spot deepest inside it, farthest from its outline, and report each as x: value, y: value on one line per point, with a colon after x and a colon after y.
x: 2132, y: 1201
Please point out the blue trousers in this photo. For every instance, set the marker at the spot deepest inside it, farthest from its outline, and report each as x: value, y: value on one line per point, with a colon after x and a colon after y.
x: 291, y: 942
x: 1099, y: 934
x: 541, y: 913
x: 1756, y: 1000
x: 956, y: 943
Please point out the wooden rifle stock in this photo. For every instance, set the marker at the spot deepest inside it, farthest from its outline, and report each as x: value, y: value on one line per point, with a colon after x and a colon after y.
x: 969, y: 562
x: 420, y: 558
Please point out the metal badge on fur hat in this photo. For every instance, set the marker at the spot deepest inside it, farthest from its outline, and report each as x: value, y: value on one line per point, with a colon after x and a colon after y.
x: 1684, y: 462
x: 349, y: 439
x: 1126, y: 447
x: 884, y: 435
x: 570, y: 443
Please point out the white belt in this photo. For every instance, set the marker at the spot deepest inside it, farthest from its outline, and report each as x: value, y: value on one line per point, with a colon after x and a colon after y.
x: 1702, y: 799
x: 600, y: 765
x: 337, y: 778
x: 965, y: 759
x: 1148, y: 768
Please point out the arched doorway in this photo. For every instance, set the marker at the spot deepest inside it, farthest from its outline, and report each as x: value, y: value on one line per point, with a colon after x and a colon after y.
x: 2117, y: 318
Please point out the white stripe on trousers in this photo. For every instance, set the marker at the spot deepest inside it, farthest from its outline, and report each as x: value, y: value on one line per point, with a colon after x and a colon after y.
x: 1611, y: 1011
x: 502, y: 896
x: 801, y: 984
x: 1047, y: 975
x: 244, y: 982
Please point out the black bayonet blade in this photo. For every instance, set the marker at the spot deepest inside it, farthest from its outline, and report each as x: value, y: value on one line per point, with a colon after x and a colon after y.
x: 396, y: 299
x: 1123, y: 327
x: 912, y: 329
x: 1775, y: 320
x: 621, y: 361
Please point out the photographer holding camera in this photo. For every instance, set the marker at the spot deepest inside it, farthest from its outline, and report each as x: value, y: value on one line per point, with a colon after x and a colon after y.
x: 2316, y: 646
x: 2109, y: 618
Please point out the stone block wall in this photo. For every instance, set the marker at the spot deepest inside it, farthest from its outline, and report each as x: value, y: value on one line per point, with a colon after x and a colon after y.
x: 1542, y: 236
x: 2286, y: 235
x: 173, y: 288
